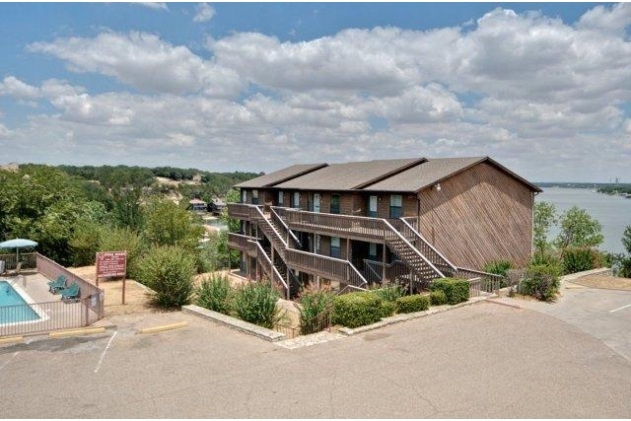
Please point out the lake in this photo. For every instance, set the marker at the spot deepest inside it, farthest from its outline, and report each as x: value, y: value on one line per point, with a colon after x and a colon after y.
x: 613, y: 212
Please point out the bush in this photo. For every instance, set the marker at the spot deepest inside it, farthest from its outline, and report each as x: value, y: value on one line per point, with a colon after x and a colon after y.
x: 388, y: 308
x: 456, y: 290
x: 499, y: 267
x: 542, y: 282
x: 169, y: 272
x: 85, y: 243
x: 413, y: 303
x: 437, y: 298
x: 388, y: 292
x: 357, y: 309
x: 315, y: 309
x: 256, y: 303
x: 579, y: 259
x: 547, y: 258
x: 215, y: 294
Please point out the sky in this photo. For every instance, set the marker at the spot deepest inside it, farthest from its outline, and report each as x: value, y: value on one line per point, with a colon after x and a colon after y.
x: 542, y: 88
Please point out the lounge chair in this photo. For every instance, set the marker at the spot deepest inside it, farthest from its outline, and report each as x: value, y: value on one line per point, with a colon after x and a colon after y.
x: 71, y: 293
x: 16, y: 271
x: 58, y: 284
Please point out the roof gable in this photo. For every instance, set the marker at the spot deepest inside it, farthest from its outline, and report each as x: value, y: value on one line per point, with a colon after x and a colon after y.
x: 271, y: 179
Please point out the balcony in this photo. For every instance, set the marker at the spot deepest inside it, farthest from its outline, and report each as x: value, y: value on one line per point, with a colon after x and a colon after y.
x: 242, y: 243
x: 354, y: 227
x: 240, y: 211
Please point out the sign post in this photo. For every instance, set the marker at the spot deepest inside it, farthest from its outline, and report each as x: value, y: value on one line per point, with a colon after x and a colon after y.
x: 111, y: 264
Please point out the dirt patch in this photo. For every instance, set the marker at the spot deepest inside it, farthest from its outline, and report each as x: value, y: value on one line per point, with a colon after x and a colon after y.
x: 604, y: 282
x: 136, y: 298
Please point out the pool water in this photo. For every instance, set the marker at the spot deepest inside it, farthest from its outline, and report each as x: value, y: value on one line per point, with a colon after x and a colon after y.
x: 13, y: 308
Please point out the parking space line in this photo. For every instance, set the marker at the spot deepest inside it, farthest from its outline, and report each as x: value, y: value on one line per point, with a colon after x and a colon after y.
x: 9, y: 360
x: 620, y: 308
x: 98, y: 366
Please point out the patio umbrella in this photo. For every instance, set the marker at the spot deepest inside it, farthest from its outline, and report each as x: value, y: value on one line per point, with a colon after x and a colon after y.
x: 17, y: 243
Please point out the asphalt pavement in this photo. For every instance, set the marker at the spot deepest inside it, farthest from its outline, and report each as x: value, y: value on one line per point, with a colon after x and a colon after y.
x: 480, y: 361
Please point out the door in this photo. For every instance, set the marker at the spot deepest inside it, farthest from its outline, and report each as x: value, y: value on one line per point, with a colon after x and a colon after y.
x: 316, y: 202
x: 372, y: 206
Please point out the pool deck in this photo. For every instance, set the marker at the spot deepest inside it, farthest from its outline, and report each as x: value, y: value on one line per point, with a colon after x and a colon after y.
x: 54, y: 314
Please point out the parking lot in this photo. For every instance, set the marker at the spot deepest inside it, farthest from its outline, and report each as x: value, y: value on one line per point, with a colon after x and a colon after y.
x: 484, y: 360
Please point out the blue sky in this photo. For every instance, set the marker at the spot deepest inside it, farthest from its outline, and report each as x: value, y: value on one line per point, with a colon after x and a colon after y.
x: 544, y: 88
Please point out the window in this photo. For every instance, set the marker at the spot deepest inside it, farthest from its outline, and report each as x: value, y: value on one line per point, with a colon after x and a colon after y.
x: 255, y: 197
x: 372, y: 251
x: 372, y: 206
x: 281, y: 198
x: 317, y: 243
x: 396, y: 206
x: 244, y: 196
x: 335, y: 247
x: 295, y: 202
x: 335, y: 203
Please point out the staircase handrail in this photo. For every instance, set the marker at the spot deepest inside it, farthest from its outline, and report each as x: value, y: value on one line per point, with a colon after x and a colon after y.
x: 282, y: 222
x: 275, y: 272
x: 418, y: 235
x: 414, y: 249
x: 259, y: 215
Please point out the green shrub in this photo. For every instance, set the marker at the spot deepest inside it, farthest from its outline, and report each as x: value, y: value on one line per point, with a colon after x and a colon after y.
x: 315, y: 309
x: 413, y: 303
x: 169, y: 272
x: 85, y: 243
x: 256, y: 303
x: 357, y: 309
x: 579, y: 259
x: 388, y: 292
x: 542, y: 282
x: 456, y: 290
x: 499, y: 267
x: 388, y: 308
x: 437, y: 298
x: 546, y: 258
x: 215, y: 294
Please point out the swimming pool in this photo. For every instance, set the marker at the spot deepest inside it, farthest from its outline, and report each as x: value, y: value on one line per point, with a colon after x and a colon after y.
x: 13, y: 308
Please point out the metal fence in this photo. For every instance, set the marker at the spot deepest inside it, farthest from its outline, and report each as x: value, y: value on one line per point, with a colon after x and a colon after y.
x: 41, y: 317
x: 44, y: 317
x: 11, y: 261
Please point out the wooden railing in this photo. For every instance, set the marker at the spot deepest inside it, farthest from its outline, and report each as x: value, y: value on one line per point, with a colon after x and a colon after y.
x: 239, y: 210
x: 265, y: 263
x: 325, y: 266
x: 279, y: 222
x: 392, y: 270
x: 489, y: 282
x: 241, y: 242
x: 336, y: 225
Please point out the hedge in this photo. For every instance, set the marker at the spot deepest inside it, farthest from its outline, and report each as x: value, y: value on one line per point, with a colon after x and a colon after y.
x: 357, y: 309
x: 412, y: 303
x: 437, y: 298
x: 456, y: 290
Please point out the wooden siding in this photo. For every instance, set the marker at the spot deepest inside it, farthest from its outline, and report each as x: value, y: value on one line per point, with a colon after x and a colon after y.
x: 479, y: 215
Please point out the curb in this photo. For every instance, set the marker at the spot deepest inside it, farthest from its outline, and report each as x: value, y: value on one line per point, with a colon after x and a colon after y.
x: 11, y: 340
x: 162, y: 328
x: 501, y: 303
x: 75, y: 332
x: 398, y: 318
x: 231, y: 322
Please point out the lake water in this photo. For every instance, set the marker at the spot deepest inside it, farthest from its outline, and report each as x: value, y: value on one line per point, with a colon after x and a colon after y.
x: 613, y: 212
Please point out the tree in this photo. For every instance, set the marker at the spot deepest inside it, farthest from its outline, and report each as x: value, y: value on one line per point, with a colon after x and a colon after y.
x: 545, y: 218
x: 626, y: 239
x: 167, y: 224
x: 578, y: 229
x: 234, y: 225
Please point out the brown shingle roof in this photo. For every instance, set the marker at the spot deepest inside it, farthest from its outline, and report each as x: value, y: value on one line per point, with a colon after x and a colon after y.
x: 349, y: 176
x: 271, y: 179
x: 434, y: 171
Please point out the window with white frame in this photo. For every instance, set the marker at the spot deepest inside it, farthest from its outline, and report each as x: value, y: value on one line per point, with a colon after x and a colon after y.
x: 335, y: 247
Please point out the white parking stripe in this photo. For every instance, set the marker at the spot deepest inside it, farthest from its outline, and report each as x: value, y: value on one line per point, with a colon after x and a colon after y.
x: 620, y: 308
x: 104, y: 351
x: 9, y: 360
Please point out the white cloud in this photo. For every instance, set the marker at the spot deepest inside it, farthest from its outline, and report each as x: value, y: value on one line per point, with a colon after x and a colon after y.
x: 154, y: 5
x: 539, y: 95
x: 203, y: 13
x: 143, y: 61
x: 14, y: 87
